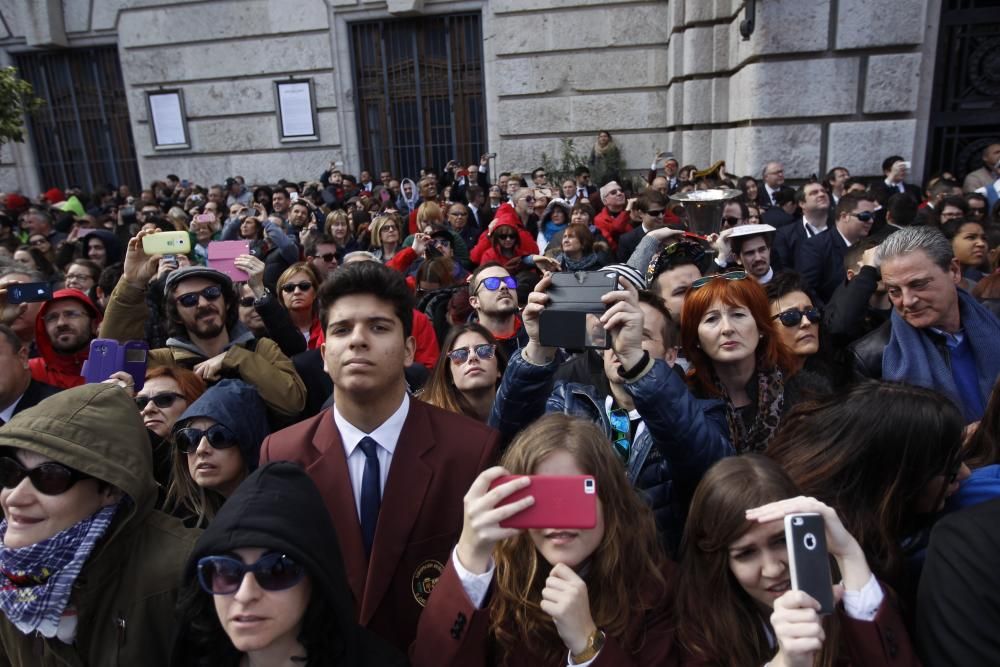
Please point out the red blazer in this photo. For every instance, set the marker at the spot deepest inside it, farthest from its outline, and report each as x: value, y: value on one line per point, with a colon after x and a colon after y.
x: 438, y: 456
x: 452, y: 633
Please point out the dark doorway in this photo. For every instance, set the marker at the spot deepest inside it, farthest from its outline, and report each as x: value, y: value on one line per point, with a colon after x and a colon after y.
x: 419, y: 92
x: 82, y: 135
x: 965, y: 109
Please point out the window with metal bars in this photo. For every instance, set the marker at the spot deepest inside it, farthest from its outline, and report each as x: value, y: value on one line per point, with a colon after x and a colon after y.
x: 81, y: 135
x: 419, y: 92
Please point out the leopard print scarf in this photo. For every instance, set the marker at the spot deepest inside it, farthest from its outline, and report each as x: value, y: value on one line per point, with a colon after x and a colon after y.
x: 770, y: 401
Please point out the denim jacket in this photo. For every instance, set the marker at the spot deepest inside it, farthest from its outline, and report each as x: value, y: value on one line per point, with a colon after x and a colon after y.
x: 683, y: 437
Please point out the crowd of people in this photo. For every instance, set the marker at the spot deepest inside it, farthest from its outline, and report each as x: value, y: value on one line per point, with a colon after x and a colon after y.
x: 316, y: 464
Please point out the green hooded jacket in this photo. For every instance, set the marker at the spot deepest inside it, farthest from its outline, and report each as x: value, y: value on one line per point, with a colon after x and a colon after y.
x: 126, y: 592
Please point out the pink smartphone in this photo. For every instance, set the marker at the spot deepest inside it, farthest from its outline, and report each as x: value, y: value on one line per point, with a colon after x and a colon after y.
x: 221, y: 255
x: 561, y: 501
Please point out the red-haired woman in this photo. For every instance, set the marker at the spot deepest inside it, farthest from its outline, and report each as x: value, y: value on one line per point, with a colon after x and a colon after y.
x: 735, y: 353
x: 599, y: 596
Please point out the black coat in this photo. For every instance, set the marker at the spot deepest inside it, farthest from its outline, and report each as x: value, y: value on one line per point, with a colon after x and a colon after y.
x: 820, y: 261
x: 787, y: 239
x: 34, y: 394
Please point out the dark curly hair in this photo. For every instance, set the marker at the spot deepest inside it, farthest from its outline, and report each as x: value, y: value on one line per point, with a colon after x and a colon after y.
x: 176, y: 328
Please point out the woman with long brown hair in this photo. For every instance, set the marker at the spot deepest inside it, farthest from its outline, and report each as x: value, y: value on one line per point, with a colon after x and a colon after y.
x: 466, y: 376
x: 735, y: 605
x: 736, y: 355
x: 886, y: 456
x: 558, y: 596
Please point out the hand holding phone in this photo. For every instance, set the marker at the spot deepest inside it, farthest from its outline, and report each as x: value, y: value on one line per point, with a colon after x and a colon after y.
x: 166, y: 243
x: 222, y: 256
x: 108, y: 356
x: 808, y: 559
x: 572, y: 318
x: 481, y: 528
x: 560, y: 501
x: 28, y: 293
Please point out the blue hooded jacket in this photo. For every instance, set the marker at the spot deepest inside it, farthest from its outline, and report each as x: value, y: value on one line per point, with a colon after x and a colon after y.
x: 237, y: 406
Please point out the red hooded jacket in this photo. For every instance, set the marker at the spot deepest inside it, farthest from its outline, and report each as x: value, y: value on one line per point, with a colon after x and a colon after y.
x: 505, y: 217
x: 51, y: 367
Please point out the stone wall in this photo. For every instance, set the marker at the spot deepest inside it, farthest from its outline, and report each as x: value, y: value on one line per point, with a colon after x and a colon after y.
x: 820, y: 83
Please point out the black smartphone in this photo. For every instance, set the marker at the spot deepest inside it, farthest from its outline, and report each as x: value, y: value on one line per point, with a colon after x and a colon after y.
x: 572, y: 318
x: 28, y: 292
x: 808, y: 559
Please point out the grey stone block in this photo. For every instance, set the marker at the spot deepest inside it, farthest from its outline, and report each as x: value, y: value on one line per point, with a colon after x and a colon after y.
x: 630, y: 68
x: 720, y: 46
x: 799, y: 88
x: 698, y: 10
x: 720, y: 100
x: 798, y: 146
x: 270, y: 55
x: 722, y: 146
x: 697, y: 102
x: 861, y: 146
x: 256, y: 168
x: 582, y: 113
x: 864, y: 24
x: 675, y: 104
x: 696, y: 146
x: 11, y: 14
x: 892, y: 83
x: 77, y: 15
x: 593, y: 27
x: 784, y: 26
x: 510, y: 6
x: 698, y: 51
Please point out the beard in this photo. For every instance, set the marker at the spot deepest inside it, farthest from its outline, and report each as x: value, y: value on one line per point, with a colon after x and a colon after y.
x: 74, y: 344
x: 206, y: 329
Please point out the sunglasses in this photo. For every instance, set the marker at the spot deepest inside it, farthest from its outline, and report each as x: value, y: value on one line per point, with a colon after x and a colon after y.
x: 219, y: 437
x: 49, y: 478
x: 190, y: 300
x: 164, y: 400
x: 864, y: 216
x: 484, y: 351
x: 247, y: 301
x: 223, y: 575
x: 732, y: 275
x: 327, y: 257
x: 655, y: 214
x: 792, y: 318
x: 493, y: 284
x: 303, y: 286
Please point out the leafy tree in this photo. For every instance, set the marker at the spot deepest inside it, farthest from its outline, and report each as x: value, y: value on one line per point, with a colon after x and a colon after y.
x: 17, y: 98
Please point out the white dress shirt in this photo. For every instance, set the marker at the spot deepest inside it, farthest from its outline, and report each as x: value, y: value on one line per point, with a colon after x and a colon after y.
x: 386, y: 435
x: 7, y: 413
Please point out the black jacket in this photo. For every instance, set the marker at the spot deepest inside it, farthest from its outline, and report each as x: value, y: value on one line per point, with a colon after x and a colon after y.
x: 34, y: 394
x: 279, y: 508
x: 787, y: 240
x: 868, y: 351
x: 847, y: 316
x: 820, y: 260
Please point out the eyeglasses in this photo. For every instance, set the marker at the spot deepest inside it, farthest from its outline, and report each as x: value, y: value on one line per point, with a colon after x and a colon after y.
x: 164, y: 400
x: 656, y: 214
x: 732, y: 222
x: 792, y: 318
x: 864, y: 216
x: 732, y: 275
x: 303, y: 286
x: 493, y: 283
x: 973, y: 210
x: 73, y: 277
x: 223, y: 575
x: 190, y: 300
x: 247, y: 301
x: 50, y: 478
x: 619, y: 191
x: 530, y: 200
x: 52, y: 318
x: 484, y: 351
x: 219, y: 437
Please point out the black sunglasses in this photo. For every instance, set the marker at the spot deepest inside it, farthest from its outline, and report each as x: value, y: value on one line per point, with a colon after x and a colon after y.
x: 493, y: 283
x: 327, y: 257
x: 484, y: 351
x: 219, y: 437
x: 864, y: 216
x: 223, y: 575
x: 247, y: 301
x: 732, y: 275
x: 164, y: 400
x: 303, y: 286
x: 190, y: 300
x: 792, y: 318
x: 506, y: 237
x: 50, y: 478
x: 656, y: 214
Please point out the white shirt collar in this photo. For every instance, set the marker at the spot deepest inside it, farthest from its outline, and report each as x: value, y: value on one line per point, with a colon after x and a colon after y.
x: 8, y: 412
x: 767, y: 277
x: 846, y: 242
x: 386, y: 435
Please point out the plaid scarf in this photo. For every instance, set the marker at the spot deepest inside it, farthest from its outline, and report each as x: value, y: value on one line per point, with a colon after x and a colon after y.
x: 37, y: 579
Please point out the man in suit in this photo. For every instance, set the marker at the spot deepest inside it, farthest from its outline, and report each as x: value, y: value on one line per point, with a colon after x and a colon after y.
x: 894, y: 170
x: 392, y: 470
x: 652, y: 206
x: 814, y: 201
x: 18, y: 391
x: 773, y: 176
x: 821, y: 257
x: 986, y: 175
x: 584, y: 189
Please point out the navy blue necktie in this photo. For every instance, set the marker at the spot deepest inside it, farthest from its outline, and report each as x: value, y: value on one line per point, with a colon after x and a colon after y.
x: 371, y: 498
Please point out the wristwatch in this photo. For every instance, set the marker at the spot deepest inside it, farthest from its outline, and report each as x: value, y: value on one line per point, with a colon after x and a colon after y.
x: 595, y: 642
x: 263, y: 299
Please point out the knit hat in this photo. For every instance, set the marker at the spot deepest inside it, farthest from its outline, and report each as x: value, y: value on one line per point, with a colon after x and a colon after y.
x: 54, y: 196
x: 608, y: 187
x: 625, y: 271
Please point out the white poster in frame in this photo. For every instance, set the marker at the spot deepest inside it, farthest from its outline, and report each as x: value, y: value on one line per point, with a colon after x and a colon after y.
x: 167, y: 119
x: 296, y: 110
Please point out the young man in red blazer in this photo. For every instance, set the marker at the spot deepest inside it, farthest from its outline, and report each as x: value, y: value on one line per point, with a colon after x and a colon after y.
x: 392, y: 470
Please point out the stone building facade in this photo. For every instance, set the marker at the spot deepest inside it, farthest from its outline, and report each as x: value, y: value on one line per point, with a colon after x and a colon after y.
x: 819, y: 83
